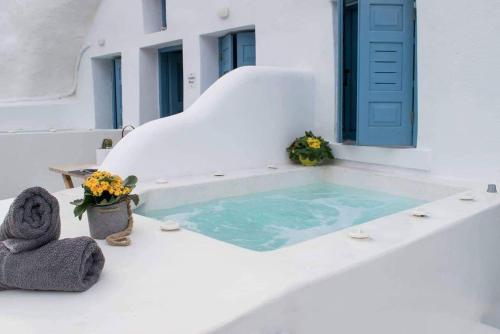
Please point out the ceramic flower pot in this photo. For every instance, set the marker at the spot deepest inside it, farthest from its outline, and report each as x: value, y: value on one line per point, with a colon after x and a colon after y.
x: 307, y: 162
x: 107, y: 220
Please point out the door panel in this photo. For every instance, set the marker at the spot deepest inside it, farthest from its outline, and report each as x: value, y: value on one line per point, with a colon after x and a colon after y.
x: 245, y: 48
x: 171, y: 83
x: 175, y: 82
x: 226, y: 57
x: 117, y: 101
x: 350, y: 74
x: 385, y: 63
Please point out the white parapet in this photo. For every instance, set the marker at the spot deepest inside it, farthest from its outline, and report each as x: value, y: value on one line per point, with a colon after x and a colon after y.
x: 245, y: 120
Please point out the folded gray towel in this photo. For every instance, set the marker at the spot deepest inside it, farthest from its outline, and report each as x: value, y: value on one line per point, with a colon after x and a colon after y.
x: 32, y: 221
x: 62, y: 265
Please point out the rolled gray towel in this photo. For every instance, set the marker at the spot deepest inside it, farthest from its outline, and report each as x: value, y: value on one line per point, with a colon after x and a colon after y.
x: 62, y: 265
x: 32, y: 221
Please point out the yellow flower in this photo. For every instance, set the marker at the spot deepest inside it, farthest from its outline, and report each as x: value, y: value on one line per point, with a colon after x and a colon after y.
x: 102, y: 181
x: 314, y: 143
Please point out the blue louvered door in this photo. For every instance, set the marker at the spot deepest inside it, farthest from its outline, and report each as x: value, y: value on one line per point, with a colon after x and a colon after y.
x: 226, y: 57
x: 245, y: 48
x: 385, y: 72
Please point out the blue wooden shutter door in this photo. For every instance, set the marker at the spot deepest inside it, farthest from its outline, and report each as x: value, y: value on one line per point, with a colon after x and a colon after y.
x: 163, y: 78
x: 245, y: 48
x: 175, y: 82
x: 171, y: 82
x: 117, y: 112
x: 385, y: 77
x: 226, y: 62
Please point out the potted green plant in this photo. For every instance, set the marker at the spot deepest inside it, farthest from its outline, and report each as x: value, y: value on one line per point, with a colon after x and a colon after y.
x: 309, y: 150
x: 106, y: 200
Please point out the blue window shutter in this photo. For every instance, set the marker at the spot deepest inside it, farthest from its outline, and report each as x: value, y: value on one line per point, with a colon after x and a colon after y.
x: 385, y: 76
x: 245, y: 48
x: 117, y: 92
x: 163, y: 13
x: 226, y: 57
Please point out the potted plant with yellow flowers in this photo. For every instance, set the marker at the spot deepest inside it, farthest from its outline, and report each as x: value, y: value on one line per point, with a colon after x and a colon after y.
x: 106, y: 200
x: 309, y: 150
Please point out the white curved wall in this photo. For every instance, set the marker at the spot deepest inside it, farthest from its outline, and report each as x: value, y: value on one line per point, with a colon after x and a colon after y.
x: 41, y: 44
x: 244, y: 120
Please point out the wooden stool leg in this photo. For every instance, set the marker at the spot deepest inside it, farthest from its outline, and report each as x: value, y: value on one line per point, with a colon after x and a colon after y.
x: 68, y: 182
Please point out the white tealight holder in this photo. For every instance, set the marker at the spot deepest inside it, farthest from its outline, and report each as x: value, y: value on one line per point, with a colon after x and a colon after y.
x: 467, y: 197
x: 218, y: 174
x: 359, y: 234
x: 170, y: 226
x: 419, y: 213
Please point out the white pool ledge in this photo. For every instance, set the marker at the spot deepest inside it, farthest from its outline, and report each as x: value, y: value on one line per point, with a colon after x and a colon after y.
x: 184, y: 282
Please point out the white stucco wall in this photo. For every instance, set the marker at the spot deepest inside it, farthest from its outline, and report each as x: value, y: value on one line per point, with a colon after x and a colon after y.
x: 26, y: 157
x: 41, y: 45
x: 457, y: 70
x: 459, y: 100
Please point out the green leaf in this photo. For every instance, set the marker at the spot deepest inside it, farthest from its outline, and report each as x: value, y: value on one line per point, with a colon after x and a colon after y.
x: 130, y: 181
x: 82, y: 206
x: 134, y: 198
x: 80, y: 210
x: 77, y: 202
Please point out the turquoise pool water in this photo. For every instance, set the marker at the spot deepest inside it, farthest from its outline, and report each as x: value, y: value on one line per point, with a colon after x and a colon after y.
x: 274, y: 219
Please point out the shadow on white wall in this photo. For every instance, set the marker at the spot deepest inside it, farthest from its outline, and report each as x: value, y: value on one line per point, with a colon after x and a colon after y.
x: 41, y: 44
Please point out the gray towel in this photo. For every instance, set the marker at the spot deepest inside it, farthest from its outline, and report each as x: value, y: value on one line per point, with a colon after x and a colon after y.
x: 62, y: 265
x: 32, y: 221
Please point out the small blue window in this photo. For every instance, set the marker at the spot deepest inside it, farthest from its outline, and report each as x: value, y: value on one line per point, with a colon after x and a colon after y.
x: 117, y: 93
x: 236, y: 50
x: 163, y: 14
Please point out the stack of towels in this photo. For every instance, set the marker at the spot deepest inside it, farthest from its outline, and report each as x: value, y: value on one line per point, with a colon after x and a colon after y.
x: 31, y: 255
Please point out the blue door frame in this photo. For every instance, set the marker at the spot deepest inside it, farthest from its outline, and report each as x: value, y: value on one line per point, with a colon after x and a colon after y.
x: 386, y: 55
x: 117, y: 94
x: 171, y: 82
